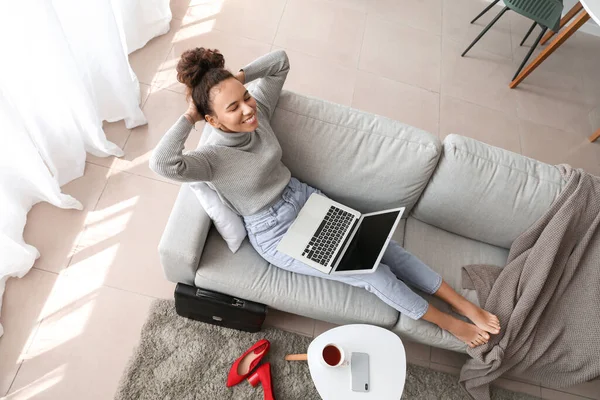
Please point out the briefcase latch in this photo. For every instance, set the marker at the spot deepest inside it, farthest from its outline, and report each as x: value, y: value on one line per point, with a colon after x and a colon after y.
x: 238, y: 302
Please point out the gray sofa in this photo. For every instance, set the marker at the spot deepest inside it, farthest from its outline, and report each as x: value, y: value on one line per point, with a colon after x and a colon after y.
x: 465, y: 203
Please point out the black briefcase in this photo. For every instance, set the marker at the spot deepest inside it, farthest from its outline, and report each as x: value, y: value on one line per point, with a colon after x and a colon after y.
x: 219, y: 309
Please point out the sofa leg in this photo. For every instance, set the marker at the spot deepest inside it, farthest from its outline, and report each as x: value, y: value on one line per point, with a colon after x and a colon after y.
x: 595, y: 136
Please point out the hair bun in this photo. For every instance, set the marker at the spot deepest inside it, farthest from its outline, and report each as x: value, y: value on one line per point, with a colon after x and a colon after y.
x: 195, y: 63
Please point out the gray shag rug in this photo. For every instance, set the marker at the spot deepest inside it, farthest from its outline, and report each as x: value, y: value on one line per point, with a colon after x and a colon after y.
x: 181, y: 359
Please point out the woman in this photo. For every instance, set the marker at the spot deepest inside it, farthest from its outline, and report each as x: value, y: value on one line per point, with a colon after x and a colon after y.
x: 241, y: 160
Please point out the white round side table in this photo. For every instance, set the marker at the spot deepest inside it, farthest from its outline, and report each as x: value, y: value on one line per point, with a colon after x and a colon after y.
x: 387, y: 363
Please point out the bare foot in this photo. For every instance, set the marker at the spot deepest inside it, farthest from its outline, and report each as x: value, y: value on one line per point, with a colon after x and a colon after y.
x: 483, y: 319
x: 468, y: 333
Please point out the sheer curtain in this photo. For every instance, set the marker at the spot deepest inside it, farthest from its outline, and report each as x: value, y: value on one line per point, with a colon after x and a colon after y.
x: 63, y: 70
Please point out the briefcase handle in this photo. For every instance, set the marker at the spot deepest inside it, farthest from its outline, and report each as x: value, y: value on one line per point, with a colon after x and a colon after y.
x: 219, y: 297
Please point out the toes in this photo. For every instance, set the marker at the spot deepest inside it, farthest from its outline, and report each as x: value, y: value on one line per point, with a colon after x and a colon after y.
x: 483, y: 337
x: 494, y: 326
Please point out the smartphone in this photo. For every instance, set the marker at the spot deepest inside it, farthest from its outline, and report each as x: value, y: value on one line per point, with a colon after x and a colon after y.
x: 359, y: 365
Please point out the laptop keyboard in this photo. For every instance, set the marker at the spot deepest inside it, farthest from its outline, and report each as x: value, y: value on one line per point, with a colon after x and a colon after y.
x: 328, y: 236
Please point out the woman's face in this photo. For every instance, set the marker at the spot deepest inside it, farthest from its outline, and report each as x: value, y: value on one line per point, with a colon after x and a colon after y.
x: 234, y: 108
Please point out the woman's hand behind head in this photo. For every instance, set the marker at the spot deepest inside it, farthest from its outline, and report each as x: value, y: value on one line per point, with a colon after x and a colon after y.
x: 192, y: 113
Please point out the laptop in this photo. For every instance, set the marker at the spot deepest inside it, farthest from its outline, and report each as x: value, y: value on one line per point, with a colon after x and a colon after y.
x: 336, y: 239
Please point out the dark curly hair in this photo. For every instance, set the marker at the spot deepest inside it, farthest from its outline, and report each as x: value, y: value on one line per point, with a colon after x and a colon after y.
x: 200, y: 70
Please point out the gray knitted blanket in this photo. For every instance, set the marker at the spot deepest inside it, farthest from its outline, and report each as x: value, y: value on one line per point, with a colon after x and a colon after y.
x: 547, y: 297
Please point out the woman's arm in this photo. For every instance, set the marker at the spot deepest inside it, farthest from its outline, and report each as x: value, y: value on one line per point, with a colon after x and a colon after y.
x: 271, y: 71
x: 169, y: 160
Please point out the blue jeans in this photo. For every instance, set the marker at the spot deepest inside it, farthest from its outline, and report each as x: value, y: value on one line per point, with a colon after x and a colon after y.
x: 388, y: 282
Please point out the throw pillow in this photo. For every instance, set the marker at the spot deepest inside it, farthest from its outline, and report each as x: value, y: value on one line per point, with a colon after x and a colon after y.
x: 228, y: 224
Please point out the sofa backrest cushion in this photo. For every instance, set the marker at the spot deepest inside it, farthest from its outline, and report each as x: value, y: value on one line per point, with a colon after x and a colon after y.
x: 362, y: 160
x: 487, y: 193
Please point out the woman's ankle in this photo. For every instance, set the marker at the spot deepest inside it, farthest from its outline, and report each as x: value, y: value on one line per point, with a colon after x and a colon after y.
x: 453, y: 298
x: 437, y: 317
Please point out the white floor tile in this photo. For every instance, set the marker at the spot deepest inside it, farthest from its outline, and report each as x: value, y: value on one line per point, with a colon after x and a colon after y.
x: 55, y: 231
x: 480, y: 78
x: 256, y: 20
x: 120, y: 243
x: 323, y: 29
x: 555, y: 146
x: 315, y: 77
x: 400, y: 101
x: 83, y: 344
x: 421, y: 14
x: 401, y: 53
x: 146, y: 61
x: 23, y: 302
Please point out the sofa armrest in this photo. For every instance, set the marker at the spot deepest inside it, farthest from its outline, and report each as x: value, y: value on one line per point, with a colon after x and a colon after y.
x: 182, y: 242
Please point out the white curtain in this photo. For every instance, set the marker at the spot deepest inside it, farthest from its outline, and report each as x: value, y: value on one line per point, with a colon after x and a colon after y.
x: 63, y: 70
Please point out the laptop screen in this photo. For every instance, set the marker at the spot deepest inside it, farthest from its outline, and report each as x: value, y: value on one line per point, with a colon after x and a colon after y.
x: 366, y: 245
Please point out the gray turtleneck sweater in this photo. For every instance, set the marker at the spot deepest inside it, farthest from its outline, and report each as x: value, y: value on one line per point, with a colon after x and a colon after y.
x: 245, y: 169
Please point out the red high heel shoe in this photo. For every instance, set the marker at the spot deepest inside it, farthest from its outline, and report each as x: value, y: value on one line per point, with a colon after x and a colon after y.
x: 247, y: 362
x: 263, y: 375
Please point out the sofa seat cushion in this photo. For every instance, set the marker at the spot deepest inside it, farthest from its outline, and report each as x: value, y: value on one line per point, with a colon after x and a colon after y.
x: 362, y: 160
x: 247, y: 275
x: 398, y: 235
x: 446, y: 253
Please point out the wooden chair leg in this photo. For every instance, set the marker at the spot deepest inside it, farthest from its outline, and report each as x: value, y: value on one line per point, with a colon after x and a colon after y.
x: 564, y: 20
x: 560, y: 39
x: 595, y: 136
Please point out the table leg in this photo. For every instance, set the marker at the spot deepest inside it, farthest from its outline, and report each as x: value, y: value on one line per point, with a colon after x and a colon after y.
x: 296, y: 357
x: 560, y: 39
x: 563, y: 21
x: 595, y: 136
